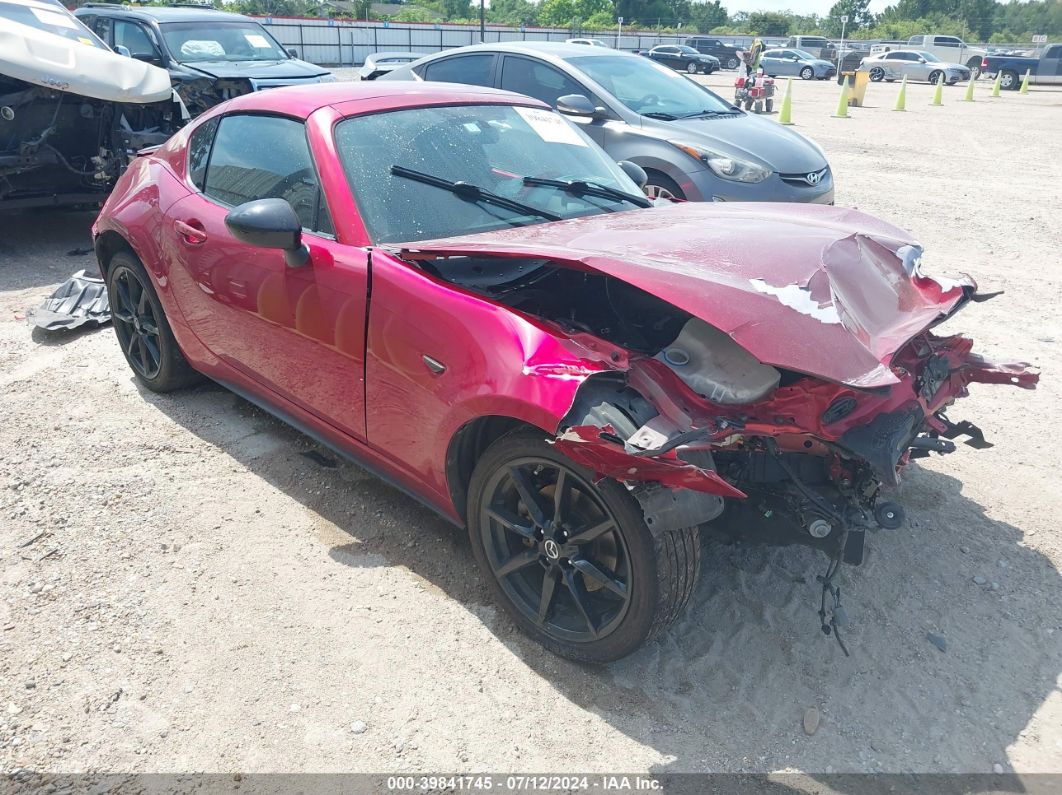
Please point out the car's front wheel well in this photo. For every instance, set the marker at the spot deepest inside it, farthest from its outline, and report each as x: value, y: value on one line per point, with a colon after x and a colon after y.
x: 466, y: 448
x: 107, y: 245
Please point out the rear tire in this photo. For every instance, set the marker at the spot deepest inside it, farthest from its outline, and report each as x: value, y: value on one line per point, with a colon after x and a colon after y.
x: 143, y: 332
x: 1009, y: 81
x: 557, y: 595
x: 732, y: 63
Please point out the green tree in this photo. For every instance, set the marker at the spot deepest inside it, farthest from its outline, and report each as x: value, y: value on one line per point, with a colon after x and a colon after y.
x: 769, y: 23
x: 705, y: 16
x: 858, y: 13
x: 513, y: 12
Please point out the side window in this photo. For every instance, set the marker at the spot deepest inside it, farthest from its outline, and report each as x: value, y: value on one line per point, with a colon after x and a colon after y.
x: 947, y: 41
x: 1053, y: 52
x: 101, y: 26
x: 536, y: 79
x: 266, y: 157
x: 473, y: 70
x: 135, y: 39
x: 199, y: 152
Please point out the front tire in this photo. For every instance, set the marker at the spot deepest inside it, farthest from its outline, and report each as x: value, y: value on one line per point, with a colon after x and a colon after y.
x: 934, y: 77
x: 143, y: 332
x: 807, y: 73
x: 692, y: 68
x: 877, y: 74
x: 573, y: 563
x: 661, y: 186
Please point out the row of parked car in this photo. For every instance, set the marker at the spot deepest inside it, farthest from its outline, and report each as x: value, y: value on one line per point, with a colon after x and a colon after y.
x: 68, y: 146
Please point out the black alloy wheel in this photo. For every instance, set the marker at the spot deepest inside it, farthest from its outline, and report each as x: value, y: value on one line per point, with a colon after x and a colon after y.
x: 135, y: 323
x: 556, y: 550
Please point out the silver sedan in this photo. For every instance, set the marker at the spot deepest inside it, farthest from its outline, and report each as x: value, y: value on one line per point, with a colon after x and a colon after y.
x: 914, y: 65
x: 778, y: 63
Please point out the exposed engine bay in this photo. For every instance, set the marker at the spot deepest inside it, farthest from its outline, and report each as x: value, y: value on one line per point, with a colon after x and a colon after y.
x: 61, y: 148
x: 704, y: 433
x: 72, y: 112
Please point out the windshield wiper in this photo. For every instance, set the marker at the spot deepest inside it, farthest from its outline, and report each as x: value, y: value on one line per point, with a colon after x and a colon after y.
x: 729, y: 112
x: 472, y: 193
x: 578, y: 187
x: 656, y: 114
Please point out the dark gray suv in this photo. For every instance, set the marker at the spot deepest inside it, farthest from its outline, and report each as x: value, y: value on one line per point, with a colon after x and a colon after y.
x: 693, y: 144
x: 211, y: 55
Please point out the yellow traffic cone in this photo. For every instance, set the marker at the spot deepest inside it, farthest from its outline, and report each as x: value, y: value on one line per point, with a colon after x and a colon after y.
x: 786, y: 116
x: 995, y: 85
x: 842, y: 104
x: 969, y: 91
x: 938, y: 93
x: 901, y: 98
x: 1025, y: 82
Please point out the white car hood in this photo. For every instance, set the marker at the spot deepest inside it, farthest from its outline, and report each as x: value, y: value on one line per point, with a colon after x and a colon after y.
x: 44, y: 59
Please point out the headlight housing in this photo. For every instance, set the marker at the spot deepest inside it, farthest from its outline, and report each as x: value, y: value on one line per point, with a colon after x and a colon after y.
x: 725, y: 166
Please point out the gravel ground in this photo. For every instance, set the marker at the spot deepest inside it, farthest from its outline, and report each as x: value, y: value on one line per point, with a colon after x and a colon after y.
x: 183, y: 589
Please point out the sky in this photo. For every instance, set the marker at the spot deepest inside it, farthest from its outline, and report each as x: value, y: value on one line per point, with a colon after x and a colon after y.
x: 821, y: 7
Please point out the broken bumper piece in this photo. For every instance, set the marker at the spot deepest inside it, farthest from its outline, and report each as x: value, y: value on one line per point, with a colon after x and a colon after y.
x: 79, y: 300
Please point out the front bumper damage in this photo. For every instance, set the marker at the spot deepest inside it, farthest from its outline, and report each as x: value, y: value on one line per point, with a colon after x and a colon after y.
x: 811, y: 465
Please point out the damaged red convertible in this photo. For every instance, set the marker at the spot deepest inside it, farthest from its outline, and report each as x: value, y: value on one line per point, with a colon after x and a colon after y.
x: 455, y: 287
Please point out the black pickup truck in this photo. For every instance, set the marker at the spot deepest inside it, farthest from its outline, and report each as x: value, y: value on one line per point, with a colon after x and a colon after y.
x: 706, y: 45
x: 1044, y: 68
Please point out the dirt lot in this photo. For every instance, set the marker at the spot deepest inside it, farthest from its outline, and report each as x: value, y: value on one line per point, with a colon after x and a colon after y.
x: 182, y: 589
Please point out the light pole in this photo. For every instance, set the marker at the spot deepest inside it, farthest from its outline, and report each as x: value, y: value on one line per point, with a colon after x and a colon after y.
x: 840, y: 55
x: 482, y: 22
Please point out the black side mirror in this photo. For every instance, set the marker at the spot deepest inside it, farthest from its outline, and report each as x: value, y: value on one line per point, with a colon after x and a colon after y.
x: 270, y: 223
x: 578, y: 105
x: 293, y: 52
x: 635, y: 172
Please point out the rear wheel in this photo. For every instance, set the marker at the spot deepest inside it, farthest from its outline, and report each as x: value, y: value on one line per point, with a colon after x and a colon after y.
x: 807, y: 73
x: 573, y: 562
x: 661, y: 186
x: 143, y: 332
x: 1008, y: 81
x: 974, y: 65
x: 732, y: 62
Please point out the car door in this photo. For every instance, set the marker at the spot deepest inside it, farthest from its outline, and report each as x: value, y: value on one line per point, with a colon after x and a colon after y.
x: 138, y: 40
x: 771, y: 62
x: 535, y: 78
x: 669, y: 56
x: 299, y: 332
x: 1049, y: 70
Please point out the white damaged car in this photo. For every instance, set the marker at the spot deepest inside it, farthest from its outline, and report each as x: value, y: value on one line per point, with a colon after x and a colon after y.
x: 72, y: 112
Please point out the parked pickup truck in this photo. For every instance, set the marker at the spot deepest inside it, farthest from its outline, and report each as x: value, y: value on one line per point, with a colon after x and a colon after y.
x: 706, y: 45
x: 951, y: 49
x: 1043, y: 69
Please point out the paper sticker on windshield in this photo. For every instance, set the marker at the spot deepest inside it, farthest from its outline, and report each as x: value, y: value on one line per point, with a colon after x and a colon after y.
x: 257, y: 40
x: 550, y: 127
x: 53, y: 18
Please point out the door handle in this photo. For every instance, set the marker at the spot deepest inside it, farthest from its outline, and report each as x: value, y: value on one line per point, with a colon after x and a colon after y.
x: 191, y: 234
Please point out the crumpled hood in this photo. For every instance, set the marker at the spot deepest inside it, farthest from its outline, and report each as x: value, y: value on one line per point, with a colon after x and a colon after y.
x: 44, y: 59
x: 825, y: 291
x: 290, y: 69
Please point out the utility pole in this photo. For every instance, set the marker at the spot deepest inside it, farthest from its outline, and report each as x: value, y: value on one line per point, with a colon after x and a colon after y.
x: 482, y: 21
x: 840, y: 55
x: 619, y: 31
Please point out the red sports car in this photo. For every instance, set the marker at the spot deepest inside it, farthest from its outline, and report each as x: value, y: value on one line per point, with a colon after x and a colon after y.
x: 455, y: 287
